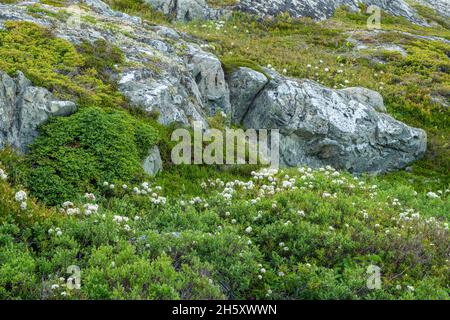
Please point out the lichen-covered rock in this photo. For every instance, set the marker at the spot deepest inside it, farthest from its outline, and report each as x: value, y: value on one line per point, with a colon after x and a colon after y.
x: 207, y: 71
x: 153, y: 163
x: 188, y: 10
x: 320, y: 126
x: 23, y: 108
x: 245, y: 84
x: 168, y: 75
x: 367, y: 97
x: 323, y: 9
x: 161, y: 70
x: 174, y: 99
x: 440, y: 6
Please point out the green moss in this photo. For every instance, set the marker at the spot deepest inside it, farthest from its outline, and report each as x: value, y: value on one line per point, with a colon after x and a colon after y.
x: 37, y: 11
x: 55, y: 3
x: 56, y: 64
x: 76, y: 154
x: 432, y: 16
x: 89, y: 19
x: 138, y: 8
x: 221, y: 3
x: 230, y: 64
x: 102, y: 57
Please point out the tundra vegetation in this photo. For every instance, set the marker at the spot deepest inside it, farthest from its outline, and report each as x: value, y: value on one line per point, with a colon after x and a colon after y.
x: 80, y: 196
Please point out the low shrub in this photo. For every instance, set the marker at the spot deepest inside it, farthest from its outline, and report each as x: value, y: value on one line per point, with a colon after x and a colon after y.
x: 76, y: 154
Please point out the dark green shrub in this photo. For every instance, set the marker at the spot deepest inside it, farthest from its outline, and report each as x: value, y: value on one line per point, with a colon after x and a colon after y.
x: 75, y: 154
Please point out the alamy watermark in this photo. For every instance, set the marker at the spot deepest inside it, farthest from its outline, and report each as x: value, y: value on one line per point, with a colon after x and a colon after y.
x: 374, y: 20
x: 74, y: 281
x: 232, y: 146
x: 374, y: 279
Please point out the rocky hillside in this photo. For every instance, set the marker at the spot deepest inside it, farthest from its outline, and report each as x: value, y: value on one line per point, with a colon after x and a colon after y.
x: 187, y: 10
x: 324, y: 9
x: 167, y: 74
x: 91, y: 92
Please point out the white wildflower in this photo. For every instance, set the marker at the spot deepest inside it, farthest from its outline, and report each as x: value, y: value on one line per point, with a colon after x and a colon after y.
x: 21, y: 196
x: 432, y: 195
x: 67, y: 204
x: 90, y: 196
x: 3, y: 175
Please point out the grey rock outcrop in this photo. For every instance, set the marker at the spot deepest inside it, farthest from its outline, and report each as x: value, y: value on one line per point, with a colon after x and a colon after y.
x: 367, y: 97
x: 207, y: 71
x: 245, y: 84
x: 323, y: 9
x: 188, y: 10
x: 162, y: 69
x: 320, y: 126
x: 175, y: 78
x: 440, y: 6
x: 23, y: 108
x: 153, y: 163
x: 174, y: 99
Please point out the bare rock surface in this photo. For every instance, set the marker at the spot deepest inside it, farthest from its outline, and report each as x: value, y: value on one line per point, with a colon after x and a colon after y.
x: 23, y: 108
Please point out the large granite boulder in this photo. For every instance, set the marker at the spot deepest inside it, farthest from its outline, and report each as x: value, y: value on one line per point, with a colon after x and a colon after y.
x: 23, y: 108
x: 320, y: 126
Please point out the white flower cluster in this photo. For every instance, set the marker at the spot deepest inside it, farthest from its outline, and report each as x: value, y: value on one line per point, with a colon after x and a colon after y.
x: 56, y: 231
x: 329, y: 195
x: 21, y: 196
x: 196, y: 200
x: 61, y: 285
x: 90, y: 209
x: 264, y: 173
x: 122, y: 220
x: 145, y: 189
x: 409, y: 219
x: 69, y: 209
x: 111, y: 186
x: 3, y: 175
x: 432, y: 195
x: 158, y: 200
x: 288, y: 183
x: 90, y: 197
